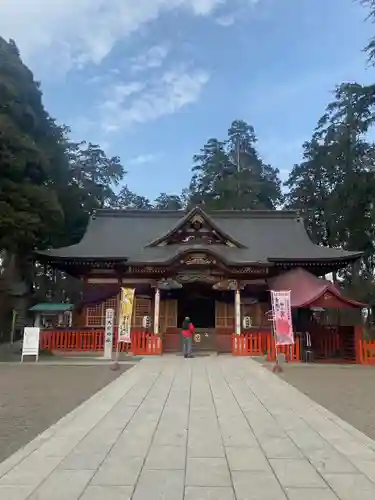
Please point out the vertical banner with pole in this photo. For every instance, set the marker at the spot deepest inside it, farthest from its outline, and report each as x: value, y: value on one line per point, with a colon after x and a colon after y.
x: 282, y: 319
x: 125, y: 316
x: 108, y: 333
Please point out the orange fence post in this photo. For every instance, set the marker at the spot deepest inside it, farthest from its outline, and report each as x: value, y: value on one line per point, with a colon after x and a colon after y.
x: 358, y: 335
x: 366, y: 352
x: 247, y: 344
x: 72, y: 340
x: 143, y: 343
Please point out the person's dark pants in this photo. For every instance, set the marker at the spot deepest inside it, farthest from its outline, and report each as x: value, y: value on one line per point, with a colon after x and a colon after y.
x: 187, y: 343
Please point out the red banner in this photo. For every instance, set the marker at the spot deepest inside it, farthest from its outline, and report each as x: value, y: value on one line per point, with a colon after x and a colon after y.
x: 282, y: 317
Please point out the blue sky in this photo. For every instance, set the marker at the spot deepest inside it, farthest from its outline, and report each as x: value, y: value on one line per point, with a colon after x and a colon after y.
x: 152, y: 80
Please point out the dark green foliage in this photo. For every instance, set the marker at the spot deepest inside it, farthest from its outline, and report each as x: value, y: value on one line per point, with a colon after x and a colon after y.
x: 370, y: 47
x: 231, y: 175
x: 31, y: 147
x: 334, y: 185
x: 128, y: 199
x: 48, y: 186
x: 168, y: 202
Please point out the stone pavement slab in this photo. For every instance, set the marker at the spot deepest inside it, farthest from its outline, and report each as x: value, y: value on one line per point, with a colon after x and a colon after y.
x: 214, y: 428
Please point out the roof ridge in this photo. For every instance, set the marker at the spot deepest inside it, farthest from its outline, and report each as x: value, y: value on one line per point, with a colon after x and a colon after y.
x: 114, y: 212
x: 247, y: 213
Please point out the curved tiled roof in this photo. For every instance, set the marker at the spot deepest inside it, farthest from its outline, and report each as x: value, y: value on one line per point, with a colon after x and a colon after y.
x: 306, y: 289
x: 262, y: 236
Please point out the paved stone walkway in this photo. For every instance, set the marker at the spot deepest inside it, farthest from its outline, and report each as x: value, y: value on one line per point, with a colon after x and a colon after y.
x: 213, y: 428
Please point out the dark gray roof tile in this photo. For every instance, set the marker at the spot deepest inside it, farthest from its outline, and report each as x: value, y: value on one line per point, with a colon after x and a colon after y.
x: 264, y: 235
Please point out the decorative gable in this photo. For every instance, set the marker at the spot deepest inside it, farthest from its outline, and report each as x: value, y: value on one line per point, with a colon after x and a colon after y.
x: 197, y: 231
x: 196, y: 228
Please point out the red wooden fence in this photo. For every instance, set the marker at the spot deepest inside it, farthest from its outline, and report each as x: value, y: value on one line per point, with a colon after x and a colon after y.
x: 259, y: 343
x: 292, y: 352
x: 366, y: 352
x: 248, y: 344
x: 327, y: 341
x: 142, y: 343
x: 145, y: 343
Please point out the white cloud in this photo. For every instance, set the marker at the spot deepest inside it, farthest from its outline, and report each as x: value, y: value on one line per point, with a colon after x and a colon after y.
x: 142, y: 159
x: 70, y: 33
x: 79, y: 31
x: 139, y: 102
x: 205, y: 7
x: 235, y: 11
x: 153, y: 58
x: 226, y: 21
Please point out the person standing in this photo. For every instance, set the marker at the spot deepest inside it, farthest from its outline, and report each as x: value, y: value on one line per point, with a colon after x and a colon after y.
x: 187, y: 337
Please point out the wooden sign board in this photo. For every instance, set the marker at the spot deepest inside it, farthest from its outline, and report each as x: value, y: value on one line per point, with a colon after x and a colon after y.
x: 108, y: 332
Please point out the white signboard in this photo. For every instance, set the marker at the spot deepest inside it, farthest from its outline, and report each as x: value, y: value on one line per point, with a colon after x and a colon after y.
x: 30, y: 344
x: 146, y: 322
x: 246, y: 322
x: 108, y: 333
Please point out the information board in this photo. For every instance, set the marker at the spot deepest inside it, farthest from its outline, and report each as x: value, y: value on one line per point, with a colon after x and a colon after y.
x: 30, y: 344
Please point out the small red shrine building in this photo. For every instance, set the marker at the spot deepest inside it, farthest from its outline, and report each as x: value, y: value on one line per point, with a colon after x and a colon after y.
x: 215, y: 267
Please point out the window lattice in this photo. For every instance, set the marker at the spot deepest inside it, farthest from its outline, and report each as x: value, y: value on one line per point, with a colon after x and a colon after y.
x: 224, y: 315
x: 142, y: 308
x: 94, y: 315
x: 111, y: 303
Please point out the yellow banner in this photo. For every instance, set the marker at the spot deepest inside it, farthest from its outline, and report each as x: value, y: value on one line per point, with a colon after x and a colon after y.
x: 125, y: 314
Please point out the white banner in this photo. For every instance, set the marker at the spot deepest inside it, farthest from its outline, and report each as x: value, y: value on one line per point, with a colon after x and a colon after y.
x: 108, y: 333
x: 282, y: 317
x: 30, y: 343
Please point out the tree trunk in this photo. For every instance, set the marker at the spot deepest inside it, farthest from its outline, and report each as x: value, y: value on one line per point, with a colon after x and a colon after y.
x: 16, y: 291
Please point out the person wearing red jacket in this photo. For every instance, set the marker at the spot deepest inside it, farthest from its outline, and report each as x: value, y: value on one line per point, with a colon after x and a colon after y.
x: 187, y: 337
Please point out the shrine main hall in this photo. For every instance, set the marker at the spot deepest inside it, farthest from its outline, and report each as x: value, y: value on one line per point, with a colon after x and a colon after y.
x: 215, y: 267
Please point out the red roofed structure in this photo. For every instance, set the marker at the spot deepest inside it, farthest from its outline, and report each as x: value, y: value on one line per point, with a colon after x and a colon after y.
x: 307, y: 290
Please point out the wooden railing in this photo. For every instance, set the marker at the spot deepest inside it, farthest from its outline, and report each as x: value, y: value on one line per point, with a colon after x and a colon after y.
x: 260, y: 343
x: 248, y: 344
x: 292, y: 352
x: 327, y: 342
x: 366, y: 352
x: 142, y: 343
x: 145, y: 343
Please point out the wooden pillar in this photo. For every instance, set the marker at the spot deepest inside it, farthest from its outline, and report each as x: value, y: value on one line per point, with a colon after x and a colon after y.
x: 237, y: 311
x: 156, y: 311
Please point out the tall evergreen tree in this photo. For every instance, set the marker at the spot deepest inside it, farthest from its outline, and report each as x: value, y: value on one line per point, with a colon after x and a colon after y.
x: 257, y: 184
x: 127, y: 199
x: 48, y: 186
x: 334, y: 186
x: 231, y: 174
x: 211, y: 183
x: 31, y: 155
x: 168, y: 202
x: 370, y: 47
